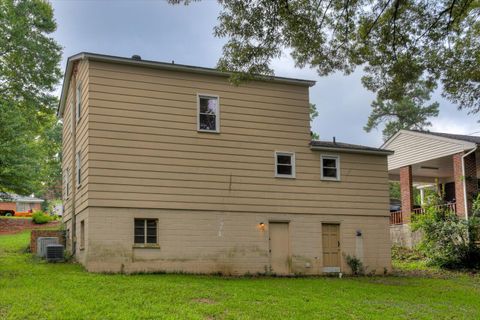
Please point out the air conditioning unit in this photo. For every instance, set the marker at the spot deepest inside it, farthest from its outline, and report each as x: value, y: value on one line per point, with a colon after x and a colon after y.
x: 55, y: 253
x: 42, y: 243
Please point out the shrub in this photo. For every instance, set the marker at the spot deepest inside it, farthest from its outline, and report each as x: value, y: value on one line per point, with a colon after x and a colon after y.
x: 406, y: 254
x: 355, y: 265
x: 40, y: 218
x: 449, y: 241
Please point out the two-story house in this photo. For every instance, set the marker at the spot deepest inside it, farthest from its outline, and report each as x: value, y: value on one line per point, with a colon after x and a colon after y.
x: 170, y: 167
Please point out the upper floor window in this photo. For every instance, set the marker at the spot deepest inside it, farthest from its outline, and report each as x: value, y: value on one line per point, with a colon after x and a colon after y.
x: 330, y: 167
x: 284, y: 164
x: 208, y: 113
x: 79, y: 168
x: 78, y: 97
x: 73, y: 111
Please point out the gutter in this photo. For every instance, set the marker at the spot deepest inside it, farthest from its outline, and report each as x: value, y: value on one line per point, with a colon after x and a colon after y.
x: 361, y: 151
x: 465, y: 200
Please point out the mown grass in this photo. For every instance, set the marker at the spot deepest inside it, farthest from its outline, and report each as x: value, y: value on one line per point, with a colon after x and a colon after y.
x: 31, y: 289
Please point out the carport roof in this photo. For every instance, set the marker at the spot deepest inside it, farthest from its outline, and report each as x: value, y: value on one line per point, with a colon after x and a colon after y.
x: 462, y: 137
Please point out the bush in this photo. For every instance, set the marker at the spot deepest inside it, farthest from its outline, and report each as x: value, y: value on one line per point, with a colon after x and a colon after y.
x: 449, y: 241
x: 406, y: 254
x: 355, y: 265
x: 40, y: 218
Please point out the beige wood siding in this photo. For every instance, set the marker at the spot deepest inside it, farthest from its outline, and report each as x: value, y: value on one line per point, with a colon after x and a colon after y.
x: 77, y: 194
x: 144, y: 150
x: 412, y: 147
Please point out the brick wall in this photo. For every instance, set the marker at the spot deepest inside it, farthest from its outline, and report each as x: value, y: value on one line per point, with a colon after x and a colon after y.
x: 406, y: 192
x: 8, y: 206
x: 14, y: 225
x: 60, y: 234
x: 470, y: 180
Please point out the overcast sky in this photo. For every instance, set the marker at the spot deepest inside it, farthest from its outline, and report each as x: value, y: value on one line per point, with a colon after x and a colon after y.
x: 158, y: 31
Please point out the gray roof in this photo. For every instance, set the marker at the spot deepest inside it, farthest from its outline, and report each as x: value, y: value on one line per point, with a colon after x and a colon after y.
x: 462, y: 137
x: 159, y: 65
x: 347, y: 147
x: 12, y: 197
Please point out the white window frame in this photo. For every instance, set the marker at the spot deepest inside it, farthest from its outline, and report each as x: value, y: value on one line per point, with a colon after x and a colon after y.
x: 217, y: 115
x: 78, y: 101
x: 78, y: 169
x: 292, y: 156
x: 337, y: 166
x: 145, y: 243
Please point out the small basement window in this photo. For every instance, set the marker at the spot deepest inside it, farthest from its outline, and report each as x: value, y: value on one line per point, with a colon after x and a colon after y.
x: 330, y: 168
x: 284, y: 164
x: 146, y: 231
x: 82, y: 235
x: 208, y: 113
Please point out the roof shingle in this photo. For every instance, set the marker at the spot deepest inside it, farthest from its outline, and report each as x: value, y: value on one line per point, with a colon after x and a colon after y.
x: 346, y: 146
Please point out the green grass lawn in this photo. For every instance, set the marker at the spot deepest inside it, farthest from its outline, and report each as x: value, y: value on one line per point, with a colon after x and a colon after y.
x: 30, y: 289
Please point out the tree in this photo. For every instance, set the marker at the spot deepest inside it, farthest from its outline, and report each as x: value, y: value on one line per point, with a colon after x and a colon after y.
x: 50, y: 158
x: 29, y: 71
x: 409, y: 112
x: 313, y: 115
x: 401, y: 44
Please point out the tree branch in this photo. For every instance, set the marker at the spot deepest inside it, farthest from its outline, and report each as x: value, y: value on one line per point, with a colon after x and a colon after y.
x: 376, y: 20
x: 394, y: 45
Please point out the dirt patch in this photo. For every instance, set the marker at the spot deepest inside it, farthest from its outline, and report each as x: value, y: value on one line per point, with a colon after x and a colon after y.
x: 204, y: 301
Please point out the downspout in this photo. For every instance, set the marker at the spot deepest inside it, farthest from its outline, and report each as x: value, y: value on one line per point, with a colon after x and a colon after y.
x: 465, y: 198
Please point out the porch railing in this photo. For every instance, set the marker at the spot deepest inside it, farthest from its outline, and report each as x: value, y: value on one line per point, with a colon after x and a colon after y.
x: 396, y: 217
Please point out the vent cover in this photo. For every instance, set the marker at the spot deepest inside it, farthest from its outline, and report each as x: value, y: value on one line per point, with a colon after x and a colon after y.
x: 54, y: 252
x: 42, y: 243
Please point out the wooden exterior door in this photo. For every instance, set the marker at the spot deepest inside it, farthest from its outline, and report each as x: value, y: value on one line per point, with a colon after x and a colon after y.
x: 331, y: 247
x: 279, y: 247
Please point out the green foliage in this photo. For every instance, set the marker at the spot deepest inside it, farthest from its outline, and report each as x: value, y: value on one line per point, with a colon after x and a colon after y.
x: 402, y: 46
x: 40, y: 217
x: 407, y: 112
x: 313, y: 115
x: 355, y: 265
x: 29, y: 71
x: 448, y: 241
x: 395, y: 190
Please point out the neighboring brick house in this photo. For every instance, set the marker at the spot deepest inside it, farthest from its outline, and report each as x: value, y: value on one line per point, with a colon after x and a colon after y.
x: 442, y: 161
x: 11, y: 203
x: 172, y: 168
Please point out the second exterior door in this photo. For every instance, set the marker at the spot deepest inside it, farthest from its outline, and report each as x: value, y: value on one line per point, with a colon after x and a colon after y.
x: 279, y: 247
x: 331, y: 247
